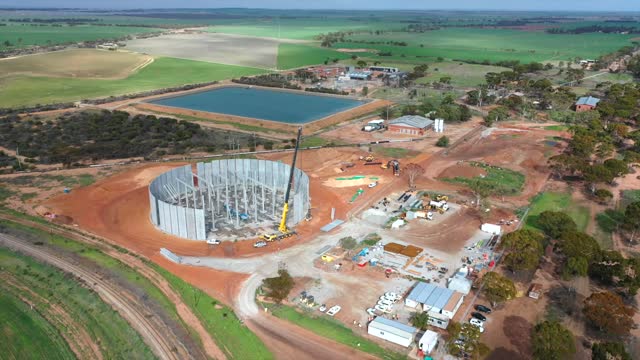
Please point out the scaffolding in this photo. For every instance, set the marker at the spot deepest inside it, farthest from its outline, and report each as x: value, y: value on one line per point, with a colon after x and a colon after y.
x: 231, y: 198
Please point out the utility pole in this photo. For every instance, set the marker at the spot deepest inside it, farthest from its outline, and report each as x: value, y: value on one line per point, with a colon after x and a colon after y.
x: 18, y: 157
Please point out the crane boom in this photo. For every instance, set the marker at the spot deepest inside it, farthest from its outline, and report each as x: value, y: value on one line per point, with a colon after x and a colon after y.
x: 285, y: 209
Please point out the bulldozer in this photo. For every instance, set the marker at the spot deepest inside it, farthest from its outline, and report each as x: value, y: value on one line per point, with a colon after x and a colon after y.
x: 442, y: 198
x: 283, y: 230
x: 368, y: 158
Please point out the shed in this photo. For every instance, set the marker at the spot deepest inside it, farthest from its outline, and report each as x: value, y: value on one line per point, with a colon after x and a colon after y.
x: 393, y: 331
x: 586, y: 103
x: 434, y: 299
x: 410, y: 125
x: 535, y: 291
x: 428, y: 341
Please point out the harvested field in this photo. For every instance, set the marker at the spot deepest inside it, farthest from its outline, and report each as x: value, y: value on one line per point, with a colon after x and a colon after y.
x: 78, y: 63
x: 218, y: 48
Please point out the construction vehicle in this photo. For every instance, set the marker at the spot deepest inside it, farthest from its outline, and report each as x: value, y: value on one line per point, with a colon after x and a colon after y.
x: 368, y: 158
x: 395, y: 165
x: 284, y: 231
x: 442, y: 198
x: 440, y: 206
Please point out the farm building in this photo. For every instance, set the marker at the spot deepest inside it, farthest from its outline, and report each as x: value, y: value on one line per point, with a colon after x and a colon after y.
x: 360, y: 75
x: 535, y: 291
x: 586, y: 103
x: 434, y: 299
x: 385, y: 69
x: 393, y: 331
x: 410, y: 124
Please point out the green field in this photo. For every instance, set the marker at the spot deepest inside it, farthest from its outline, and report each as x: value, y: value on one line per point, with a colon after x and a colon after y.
x: 234, y: 338
x: 392, y: 152
x: 300, y: 29
x: 333, y: 330
x: 27, y: 335
x: 551, y: 201
x: 295, y: 55
x: 116, y: 337
x: 45, y: 35
x: 163, y: 72
x: 462, y: 74
x: 500, y: 181
x: 491, y: 44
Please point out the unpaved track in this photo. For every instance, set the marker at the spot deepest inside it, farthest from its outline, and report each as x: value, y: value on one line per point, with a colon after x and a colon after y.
x: 163, y: 343
x: 210, y: 347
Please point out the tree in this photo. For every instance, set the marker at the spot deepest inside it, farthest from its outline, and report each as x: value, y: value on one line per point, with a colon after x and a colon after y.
x: 348, y: 243
x: 443, y: 141
x: 365, y: 90
x: 606, y: 311
x: 445, y: 80
x: 609, y: 351
x: 574, y: 76
x: 603, y: 196
x: 579, y: 244
x: 481, y: 189
x: 498, y: 288
x: 471, y: 336
x: 361, y: 64
x: 551, y: 341
x: 554, y: 223
x: 524, y: 249
x: 499, y: 113
x: 608, y: 268
x: 413, y: 171
x: 279, y: 287
x: 420, y: 320
x: 631, y: 221
x: 575, y: 266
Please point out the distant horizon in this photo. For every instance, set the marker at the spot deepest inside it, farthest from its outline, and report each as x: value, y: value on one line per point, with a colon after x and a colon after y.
x: 17, y: 8
x: 574, y: 6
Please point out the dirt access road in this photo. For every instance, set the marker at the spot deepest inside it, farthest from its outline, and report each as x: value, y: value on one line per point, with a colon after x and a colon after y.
x: 163, y: 343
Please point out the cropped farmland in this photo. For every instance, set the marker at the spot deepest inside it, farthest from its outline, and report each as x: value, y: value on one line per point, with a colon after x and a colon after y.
x: 489, y: 44
x: 295, y: 55
x: 25, y: 35
x: 163, y: 72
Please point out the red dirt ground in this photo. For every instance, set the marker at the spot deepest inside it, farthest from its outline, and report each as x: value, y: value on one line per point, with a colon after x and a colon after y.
x: 117, y: 208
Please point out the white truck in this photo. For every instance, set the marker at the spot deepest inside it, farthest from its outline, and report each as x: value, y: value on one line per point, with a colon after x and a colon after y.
x: 424, y: 215
x: 439, y: 205
x: 374, y: 125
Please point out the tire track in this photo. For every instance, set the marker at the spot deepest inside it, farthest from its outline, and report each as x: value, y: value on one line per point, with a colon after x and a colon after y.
x: 163, y: 344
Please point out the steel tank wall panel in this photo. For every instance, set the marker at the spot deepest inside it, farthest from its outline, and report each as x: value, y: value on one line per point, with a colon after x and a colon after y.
x: 174, y: 226
x: 153, y: 203
x: 182, y: 221
x: 190, y: 221
x: 200, y: 225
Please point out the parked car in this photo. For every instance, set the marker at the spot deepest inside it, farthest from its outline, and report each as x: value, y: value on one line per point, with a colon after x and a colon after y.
x: 391, y: 295
x: 476, y: 322
x: 386, y: 303
x: 479, y: 316
x: 334, y: 310
x: 213, y: 241
x: 371, y: 311
x: 483, y: 309
x: 384, y: 298
x: 322, y: 308
x: 382, y: 308
x: 373, y: 184
x: 260, y: 244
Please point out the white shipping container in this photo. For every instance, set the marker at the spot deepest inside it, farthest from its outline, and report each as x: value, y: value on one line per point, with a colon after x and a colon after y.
x: 491, y: 229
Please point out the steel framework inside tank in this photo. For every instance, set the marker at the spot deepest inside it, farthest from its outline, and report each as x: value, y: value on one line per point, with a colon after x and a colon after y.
x: 230, y: 198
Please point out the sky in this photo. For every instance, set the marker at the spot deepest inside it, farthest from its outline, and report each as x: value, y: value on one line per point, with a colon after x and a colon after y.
x: 582, y: 5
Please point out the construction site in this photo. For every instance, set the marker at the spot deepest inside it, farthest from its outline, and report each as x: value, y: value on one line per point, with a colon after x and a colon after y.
x: 229, y: 199
x: 434, y: 232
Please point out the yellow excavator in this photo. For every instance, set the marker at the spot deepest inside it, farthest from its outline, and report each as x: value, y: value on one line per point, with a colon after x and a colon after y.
x: 285, y: 232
